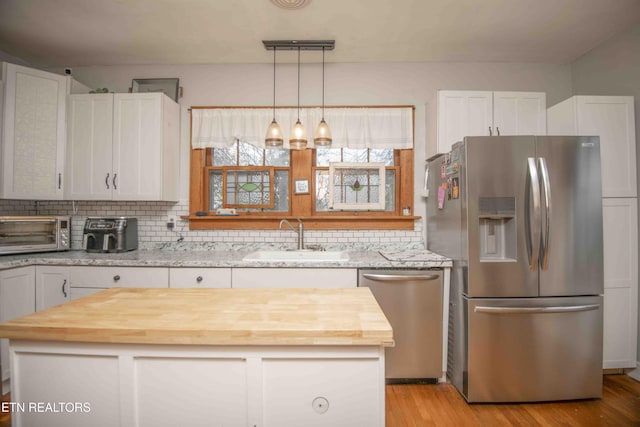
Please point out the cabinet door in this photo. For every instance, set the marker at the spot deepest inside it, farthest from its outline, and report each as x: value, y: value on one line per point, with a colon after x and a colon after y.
x: 463, y: 113
x: 33, y: 133
x: 137, y: 146
x: 620, y: 222
x: 520, y: 113
x: 17, y: 299
x: 612, y: 119
x: 313, y: 392
x: 52, y: 286
x: 89, y: 147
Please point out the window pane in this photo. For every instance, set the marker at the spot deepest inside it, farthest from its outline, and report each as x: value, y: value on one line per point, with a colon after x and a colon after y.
x: 281, y: 192
x: 354, y: 155
x: 390, y: 191
x: 245, y: 187
x: 225, y: 156
x: 381, y: 155
x: 277, y: 157
x: 322, y: 190
x: 326, y: 155
x: 215, y: 190
x: 248, y: 155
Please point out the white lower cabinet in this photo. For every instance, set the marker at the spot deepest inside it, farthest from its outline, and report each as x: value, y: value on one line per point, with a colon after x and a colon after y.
x: 88, y: 280
x: 52, y: 286
x: 299, y: 392
x: 294, y: 277
x: 204, y: 390
x: 199, y: 277
x: 620, y: 222
x: 17, y: 299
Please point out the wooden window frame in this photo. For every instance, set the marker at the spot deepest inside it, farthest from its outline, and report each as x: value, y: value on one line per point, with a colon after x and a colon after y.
x: 302, y: 167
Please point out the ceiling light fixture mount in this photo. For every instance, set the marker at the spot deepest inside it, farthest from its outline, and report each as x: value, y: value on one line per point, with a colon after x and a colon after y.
x: 299, y: 44
x: 291, y: 4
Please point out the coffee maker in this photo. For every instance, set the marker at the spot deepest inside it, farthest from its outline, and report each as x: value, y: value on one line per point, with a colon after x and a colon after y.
x: 116, y: 234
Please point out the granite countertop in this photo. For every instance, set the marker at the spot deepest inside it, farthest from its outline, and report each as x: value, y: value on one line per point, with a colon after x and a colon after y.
x: 212, y: 317
x: 185, y: 256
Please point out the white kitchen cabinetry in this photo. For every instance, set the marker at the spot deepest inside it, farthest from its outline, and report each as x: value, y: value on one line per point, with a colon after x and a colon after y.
x: 294, y: 278
x: 123, y: 146
x: 88, y: 280
x: 620, y: 221
x: 33, y: 133
x: 485, y: 113
x: 612, y: 119
x: 199, y: 277
x: 17, y: 299
x: 52, y: 286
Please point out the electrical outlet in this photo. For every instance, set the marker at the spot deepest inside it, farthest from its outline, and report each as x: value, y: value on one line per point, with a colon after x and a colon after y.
x: 171, y: 223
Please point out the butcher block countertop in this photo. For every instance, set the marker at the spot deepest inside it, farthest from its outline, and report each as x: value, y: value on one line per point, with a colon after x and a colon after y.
x: 211, y: 317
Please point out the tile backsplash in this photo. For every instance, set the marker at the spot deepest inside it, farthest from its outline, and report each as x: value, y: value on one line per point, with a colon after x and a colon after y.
x: 152, y: 230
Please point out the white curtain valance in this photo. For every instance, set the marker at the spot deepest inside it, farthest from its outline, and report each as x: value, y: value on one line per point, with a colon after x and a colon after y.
x: 351, y: 127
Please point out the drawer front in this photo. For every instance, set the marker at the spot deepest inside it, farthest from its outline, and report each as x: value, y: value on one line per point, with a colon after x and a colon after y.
x: 295, y: 278
x: 199, y: 277
x: 119, y: 277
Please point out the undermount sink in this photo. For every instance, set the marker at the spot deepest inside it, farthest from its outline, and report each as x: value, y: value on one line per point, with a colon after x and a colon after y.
x: 296, y: 256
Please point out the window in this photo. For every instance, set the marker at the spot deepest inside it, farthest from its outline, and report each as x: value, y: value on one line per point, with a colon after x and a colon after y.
x: 259, y: 184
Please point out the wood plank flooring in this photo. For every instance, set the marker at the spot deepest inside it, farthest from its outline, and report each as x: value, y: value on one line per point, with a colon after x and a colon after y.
x: 442, y: 405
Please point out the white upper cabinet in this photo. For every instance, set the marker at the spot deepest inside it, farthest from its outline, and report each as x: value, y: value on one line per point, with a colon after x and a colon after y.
x: 123, y: 147
x: 485, y: 113
x: 612, y: 119
x: 33, y: 133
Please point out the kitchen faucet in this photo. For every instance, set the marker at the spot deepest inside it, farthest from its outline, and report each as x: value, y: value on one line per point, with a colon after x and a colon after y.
x: 300, y: 231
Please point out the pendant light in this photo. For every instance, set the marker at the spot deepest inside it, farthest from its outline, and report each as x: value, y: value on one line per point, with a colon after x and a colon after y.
x: 274, y: 132
x: 322, y: 137
x: 298, y: 140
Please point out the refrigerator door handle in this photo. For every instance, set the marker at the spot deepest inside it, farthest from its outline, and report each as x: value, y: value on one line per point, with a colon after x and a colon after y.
x: 399, y: 278
x: 533, y: 192
x: 534, y: 310
x: 546, y: 235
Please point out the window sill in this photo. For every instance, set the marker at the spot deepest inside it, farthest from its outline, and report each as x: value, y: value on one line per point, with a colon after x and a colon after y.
x: 353, y: 222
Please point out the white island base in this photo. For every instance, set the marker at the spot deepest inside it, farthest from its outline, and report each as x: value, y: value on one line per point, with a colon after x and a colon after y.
x: 95, y: 384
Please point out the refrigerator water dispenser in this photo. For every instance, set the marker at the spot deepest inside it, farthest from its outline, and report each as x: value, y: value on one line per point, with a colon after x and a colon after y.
x: 497, y: 229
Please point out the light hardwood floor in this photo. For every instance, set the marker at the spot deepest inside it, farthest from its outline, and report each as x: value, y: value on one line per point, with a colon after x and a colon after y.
x: 442, y: 405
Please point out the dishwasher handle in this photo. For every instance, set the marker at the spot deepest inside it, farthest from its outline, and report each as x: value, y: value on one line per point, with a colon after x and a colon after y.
x: 399, y: 277
x: 525, y: 310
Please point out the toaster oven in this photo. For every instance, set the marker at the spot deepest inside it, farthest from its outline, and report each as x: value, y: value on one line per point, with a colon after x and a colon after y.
x: 23, y: 234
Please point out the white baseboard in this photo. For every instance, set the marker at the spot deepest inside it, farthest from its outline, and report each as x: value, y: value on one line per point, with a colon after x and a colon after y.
x: 635, y: 374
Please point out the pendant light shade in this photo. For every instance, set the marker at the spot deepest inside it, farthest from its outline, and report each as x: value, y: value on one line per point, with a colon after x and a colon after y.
x: 298, y: 138
x: 274, y: 132
x: 322, y: 137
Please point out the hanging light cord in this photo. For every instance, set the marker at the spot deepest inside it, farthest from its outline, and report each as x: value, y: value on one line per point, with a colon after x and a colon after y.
x: 298, y: 83
x: 274, y: 83
x: 322, y: 82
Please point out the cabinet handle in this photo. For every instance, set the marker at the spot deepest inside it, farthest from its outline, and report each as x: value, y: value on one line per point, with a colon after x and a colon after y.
x: 498, y: 130
x: 106, y: 180
x: 116, y: 278
x: 490, y: 132
x: 115, y: 176
x: 59, y: 181
x: 199, y: 279
x: 64, y: 291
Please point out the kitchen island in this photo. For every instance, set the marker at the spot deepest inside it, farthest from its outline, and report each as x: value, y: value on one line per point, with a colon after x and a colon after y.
x: 202, y: 357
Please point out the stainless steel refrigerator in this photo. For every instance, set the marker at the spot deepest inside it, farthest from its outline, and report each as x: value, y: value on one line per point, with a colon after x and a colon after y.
x: 521, y: 217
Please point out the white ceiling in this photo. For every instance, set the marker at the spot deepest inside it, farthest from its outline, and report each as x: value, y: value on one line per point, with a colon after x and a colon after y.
x: 52, y: 33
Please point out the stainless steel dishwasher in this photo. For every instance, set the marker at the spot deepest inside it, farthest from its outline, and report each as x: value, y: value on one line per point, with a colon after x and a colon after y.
x: 412, y: 302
